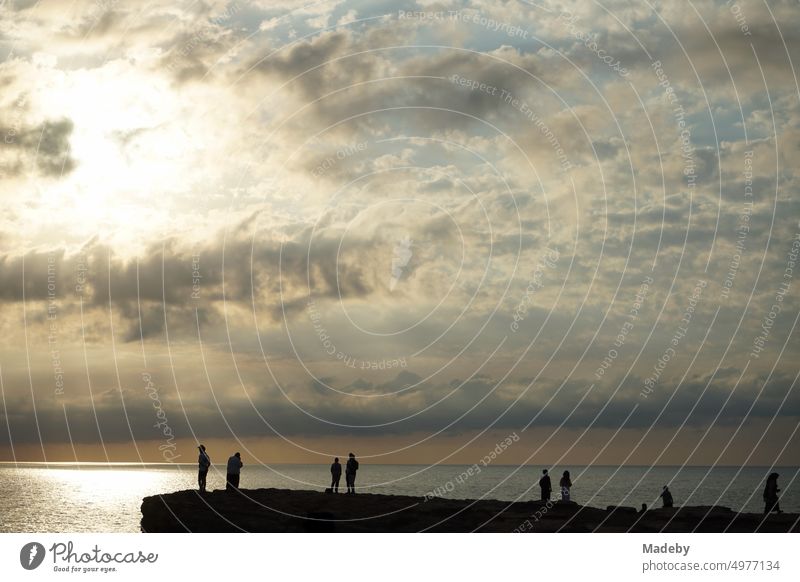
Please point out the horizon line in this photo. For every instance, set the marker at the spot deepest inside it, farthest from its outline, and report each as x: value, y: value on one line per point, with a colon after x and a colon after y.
x: 324, y: 464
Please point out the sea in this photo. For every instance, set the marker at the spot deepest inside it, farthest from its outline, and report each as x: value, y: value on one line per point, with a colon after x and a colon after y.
x: 106, y: 497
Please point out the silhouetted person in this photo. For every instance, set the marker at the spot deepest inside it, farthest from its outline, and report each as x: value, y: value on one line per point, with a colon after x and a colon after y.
x: 771, y: 494
x: 350, y: 473
x: 666, y: 496
x: 336, y: 474
x: 565, y: 484
x: 203, y: 463
x: 545, y: 485
x: 234, y: 469
x: 644, y: 508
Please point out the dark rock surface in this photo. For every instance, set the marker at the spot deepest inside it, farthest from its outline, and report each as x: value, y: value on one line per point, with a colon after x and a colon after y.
x: 280, y: 510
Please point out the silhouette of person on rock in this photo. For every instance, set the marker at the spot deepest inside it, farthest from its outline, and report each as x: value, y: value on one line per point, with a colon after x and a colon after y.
x: 666, y: 496
x: 545, y: 485
x: 771, y: 495
x: 234, y: 469
x: 565, y: 485
x: 203, y: 463
x: 350, y: 474
x: 336, y: 474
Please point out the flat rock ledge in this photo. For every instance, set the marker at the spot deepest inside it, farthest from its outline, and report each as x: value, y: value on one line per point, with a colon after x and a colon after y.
x: 282, y: 510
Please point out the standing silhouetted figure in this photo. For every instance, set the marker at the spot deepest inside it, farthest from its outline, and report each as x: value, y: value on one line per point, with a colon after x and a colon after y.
x: 771, y: 494
x: 545, y: 485
x: 565, y: 484
x: 350, y: 473
x: 336, y: 474
x: 666, y: 496
x: 234, y: 469
x: 203, y: 463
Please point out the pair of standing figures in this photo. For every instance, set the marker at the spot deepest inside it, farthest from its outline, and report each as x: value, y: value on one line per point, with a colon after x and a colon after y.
x: 349, y: 474
x: 233, y: 473
x: 547, y: 488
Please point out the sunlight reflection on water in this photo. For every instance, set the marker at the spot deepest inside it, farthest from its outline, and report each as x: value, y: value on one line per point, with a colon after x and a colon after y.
x: 107, y: 498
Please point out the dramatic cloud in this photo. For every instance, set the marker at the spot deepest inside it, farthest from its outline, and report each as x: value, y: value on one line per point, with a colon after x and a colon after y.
x: 400, y: 223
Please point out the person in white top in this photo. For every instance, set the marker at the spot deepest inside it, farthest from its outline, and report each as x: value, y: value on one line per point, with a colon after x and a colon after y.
x: 234, y: 469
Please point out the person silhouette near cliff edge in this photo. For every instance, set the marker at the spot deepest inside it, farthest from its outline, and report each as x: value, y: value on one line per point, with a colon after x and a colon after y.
x: 666, y: 496
x: 771, y: 495
x: 545, y: 485
x: 234, y: 469
x: 350, y: 474
x: 565, y: 483
x: 203, y: 463
x: 336, y: 474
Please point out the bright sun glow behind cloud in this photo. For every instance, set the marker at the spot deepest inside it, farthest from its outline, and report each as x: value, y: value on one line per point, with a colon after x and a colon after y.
x: 133, y: 157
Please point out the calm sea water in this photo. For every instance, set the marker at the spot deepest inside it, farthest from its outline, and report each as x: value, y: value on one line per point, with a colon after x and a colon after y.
x: 107, y: 497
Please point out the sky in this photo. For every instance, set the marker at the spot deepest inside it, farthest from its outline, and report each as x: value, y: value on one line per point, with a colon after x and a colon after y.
x: 407, y: 229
